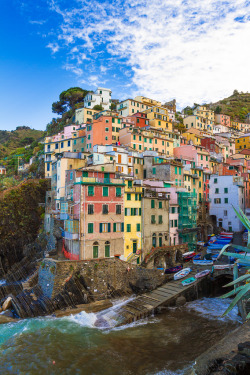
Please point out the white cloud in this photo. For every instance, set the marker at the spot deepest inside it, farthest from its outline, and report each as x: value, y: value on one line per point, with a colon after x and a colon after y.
x: 41, y: 22
x: 54, y: 47
x: 194, y: 51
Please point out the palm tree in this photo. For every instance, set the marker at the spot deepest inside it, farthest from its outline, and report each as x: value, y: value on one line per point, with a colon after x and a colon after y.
x: 241, y: 292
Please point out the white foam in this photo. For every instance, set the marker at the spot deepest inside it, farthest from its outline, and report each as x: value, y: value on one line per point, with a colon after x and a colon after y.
x: 84, y: 319
x: 213, y: 308
x: 2, y: 282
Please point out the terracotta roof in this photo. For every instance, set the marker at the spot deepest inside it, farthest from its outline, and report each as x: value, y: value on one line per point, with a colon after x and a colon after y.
x: 245, y: 152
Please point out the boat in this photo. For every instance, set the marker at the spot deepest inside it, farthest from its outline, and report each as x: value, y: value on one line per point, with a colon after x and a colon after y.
x: 188, y: 281
x: 221, y: 266
x: 188, y: 256
x: 198, y: 256
x: 182, y: 273
x: 203, y: 262
x: 202, y: 274
x: 173, y: 269
x: 214, y: 257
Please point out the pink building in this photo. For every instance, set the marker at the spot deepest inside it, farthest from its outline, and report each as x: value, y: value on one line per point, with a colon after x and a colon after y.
x: 198, y: 154
x: 223, y: 120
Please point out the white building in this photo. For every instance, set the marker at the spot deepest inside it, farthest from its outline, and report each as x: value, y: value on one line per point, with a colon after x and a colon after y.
x: 227, y: 192
x: 217, y: 129
x: 100, y: 97
x: 123, y: 161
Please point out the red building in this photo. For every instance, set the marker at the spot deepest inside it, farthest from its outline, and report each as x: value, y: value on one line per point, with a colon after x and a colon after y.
x: 99, y: 196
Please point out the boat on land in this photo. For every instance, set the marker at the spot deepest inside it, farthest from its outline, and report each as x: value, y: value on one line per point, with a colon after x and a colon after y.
x: 203, y: 262
x: 182, y: 273
x: 196, y: 257
x: 173, y: 269
x: 202, y: 274
x: 188, y: 281
x: 189, y: 255
x: 221, y: 266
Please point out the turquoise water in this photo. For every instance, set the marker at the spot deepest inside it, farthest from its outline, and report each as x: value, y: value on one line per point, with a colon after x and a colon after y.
x: 164, y: 344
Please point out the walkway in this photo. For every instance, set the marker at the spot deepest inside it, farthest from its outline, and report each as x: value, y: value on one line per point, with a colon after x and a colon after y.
x: 165, y: 295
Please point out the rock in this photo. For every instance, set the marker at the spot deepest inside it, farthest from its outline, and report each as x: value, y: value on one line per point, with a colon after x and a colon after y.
x: 180, y: 301
x: 7, y: 304
x: 5, y: 319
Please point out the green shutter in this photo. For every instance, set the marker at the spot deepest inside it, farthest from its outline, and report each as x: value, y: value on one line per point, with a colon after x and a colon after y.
x: 152, y: 203
x: 122, y: 227
x: 100, y: 227
x: 109, y: 227
x: 105, y: 191
x: 126, y: 211
x: 114, y: 227
x: 140, y: 211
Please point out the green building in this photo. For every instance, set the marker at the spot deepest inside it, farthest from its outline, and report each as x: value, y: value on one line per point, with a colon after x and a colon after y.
x: 187, y: 224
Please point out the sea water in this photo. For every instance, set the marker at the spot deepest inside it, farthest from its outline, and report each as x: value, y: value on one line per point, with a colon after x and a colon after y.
x: 91, y: 344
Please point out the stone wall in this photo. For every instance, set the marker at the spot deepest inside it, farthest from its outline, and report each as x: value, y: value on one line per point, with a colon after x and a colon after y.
x: 166, y: 256
x: 102, y: 278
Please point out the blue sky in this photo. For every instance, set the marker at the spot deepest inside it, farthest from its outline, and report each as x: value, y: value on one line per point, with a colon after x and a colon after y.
x: 194, y: 51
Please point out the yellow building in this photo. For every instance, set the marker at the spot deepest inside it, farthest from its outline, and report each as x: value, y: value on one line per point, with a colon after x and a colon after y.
x: 59, y: 143
x: 206, y: 113
x: 158, y: 118
x: 193, y: 135
x: 240, y: 126
x: 197, y: 122
x: 132, y: 221
x: 84, y: 115
x: 148, y: 101
x: 242, y: 142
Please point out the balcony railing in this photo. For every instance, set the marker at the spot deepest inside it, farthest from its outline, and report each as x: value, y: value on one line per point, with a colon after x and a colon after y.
x: 98, y: 180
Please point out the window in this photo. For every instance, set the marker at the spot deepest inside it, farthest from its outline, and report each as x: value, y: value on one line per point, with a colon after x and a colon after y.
x: 175, y: 170
x: 118, y: 192
x: 56, y: 146
x: 128, y: 197
x: 107, y: 121
x: 217, y: 200
x: 105, y: 209
x: 225, y: 200
x: 128, y: 227
x: 130, y: 183
x: 180, y: 170
x: 152, y: 203
x: 104, y: 227
x: 225, y: 190
x: 74, y: 141
x: 90, y: 191
x: 225, y: 212
x: 160, y: 219
x: 105, y: 191
x: 176, y: 223
x: 153, y: 170
x: 160, y: 204
x: 90, y: 227
x: 118, y: 227
x: 90, y: 209
x: 215, y: 181
x: 118, y: 209
x: 152, y: 219
x: 61, y: 144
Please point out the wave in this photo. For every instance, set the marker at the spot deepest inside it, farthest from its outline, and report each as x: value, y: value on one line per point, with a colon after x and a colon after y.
x: 213, y: 308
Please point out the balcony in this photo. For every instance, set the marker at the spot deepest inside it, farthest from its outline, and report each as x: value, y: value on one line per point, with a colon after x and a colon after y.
x: 71, y: 236
x: 97, y: 180
x: 134, y: 189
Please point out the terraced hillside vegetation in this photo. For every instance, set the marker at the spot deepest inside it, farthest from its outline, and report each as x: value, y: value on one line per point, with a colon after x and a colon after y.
x: 237, y: 106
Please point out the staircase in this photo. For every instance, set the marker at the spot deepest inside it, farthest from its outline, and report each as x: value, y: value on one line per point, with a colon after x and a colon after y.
x: 132, y: 258
x: 29, y: 283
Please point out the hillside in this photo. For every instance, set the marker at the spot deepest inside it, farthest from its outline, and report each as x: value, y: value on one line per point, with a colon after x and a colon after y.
x: 22, y: 144
x: 237, y: 106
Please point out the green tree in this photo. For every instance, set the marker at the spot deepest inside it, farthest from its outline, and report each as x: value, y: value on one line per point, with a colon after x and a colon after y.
x: 218, y: 109
x: 68, y: 99
x: 98, y: 107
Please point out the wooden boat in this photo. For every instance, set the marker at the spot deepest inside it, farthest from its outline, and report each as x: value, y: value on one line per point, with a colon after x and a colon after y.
x: 198, y: 256
x: 188, y: 256
x: 203, y: 262
x: 221, y: 266
x: 202, y: 274
x: 188, y: 281
x: 182, y: 273
x: 173, y: 269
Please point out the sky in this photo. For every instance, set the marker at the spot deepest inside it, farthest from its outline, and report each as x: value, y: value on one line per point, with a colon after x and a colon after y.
x: 194, y: 51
